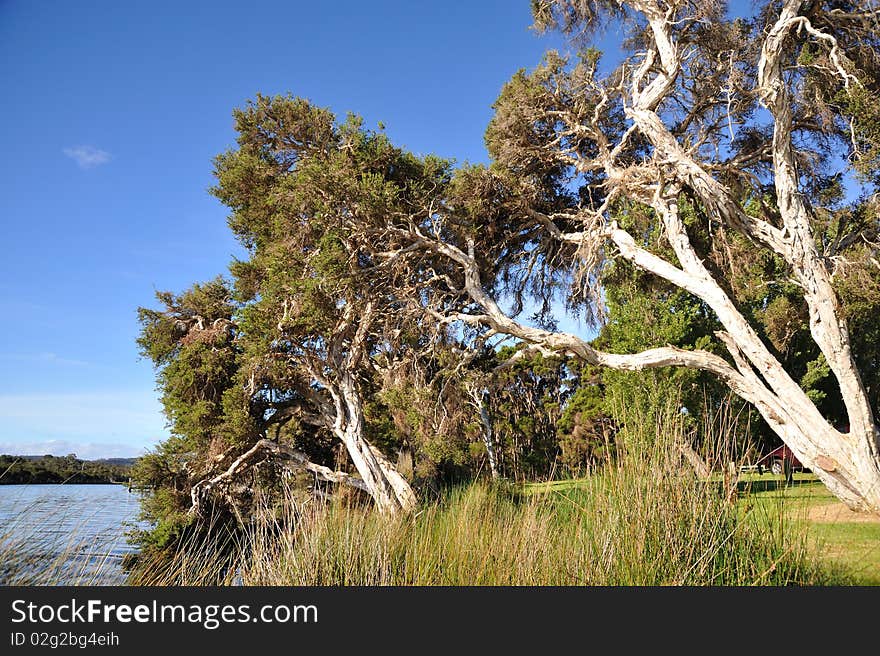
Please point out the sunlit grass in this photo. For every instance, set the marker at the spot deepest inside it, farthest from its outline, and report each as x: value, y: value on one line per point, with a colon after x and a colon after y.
x: 843, y: 543
x: 642, y: 520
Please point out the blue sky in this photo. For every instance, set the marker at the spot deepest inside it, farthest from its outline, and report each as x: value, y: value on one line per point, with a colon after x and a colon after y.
x: 112, y: 114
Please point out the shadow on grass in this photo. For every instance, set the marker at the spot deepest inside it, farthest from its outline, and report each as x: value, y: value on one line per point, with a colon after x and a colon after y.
x: 769, y: 485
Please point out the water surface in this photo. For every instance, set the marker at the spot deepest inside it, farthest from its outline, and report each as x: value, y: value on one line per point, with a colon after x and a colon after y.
x: 65, y: 534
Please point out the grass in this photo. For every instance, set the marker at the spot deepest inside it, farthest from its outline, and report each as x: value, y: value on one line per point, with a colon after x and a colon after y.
x: 619, y: 528
x: 852, y: 545
x: 31, y: 555
x: 623, y: 527
x: 643, y: 522
x: 855, y: 546
x: 851, y: 548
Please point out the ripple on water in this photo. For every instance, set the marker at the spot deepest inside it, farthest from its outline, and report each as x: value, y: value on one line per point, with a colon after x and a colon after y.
x: 65, y: 534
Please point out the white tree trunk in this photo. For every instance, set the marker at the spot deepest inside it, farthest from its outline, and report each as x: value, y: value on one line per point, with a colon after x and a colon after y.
x: 390, y: 491
x: 285, y: 454
x: 848, y: 463
x: 478, y: 401
x: 489, y: 440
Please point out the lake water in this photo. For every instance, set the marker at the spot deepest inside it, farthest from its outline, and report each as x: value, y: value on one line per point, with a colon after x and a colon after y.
x: 65, y: 534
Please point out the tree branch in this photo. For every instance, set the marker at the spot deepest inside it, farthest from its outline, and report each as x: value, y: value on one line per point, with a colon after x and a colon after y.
x: 288, y: 455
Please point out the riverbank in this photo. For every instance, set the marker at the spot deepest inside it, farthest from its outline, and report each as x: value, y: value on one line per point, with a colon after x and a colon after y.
x: 48, y: 469
x: 625, y: 526
x: 617, y: 529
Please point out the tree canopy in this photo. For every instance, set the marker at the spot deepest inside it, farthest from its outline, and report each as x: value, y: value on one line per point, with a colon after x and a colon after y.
x: 708, y: 205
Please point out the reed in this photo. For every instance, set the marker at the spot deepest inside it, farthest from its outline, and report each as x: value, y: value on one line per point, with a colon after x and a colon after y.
x: 643, y: 519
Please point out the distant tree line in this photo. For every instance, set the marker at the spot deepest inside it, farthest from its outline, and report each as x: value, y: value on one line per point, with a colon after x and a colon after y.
x: 17, y: 470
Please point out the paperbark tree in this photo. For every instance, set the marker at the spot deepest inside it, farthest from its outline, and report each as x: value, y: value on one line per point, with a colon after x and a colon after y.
x: 314, y: 316
x: 735, y: 125
x: 220, y: 402
x: 285, y: 358
x: 479, y: 401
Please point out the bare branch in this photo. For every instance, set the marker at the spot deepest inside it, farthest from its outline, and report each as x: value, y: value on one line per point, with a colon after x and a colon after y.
x: 281, y: 453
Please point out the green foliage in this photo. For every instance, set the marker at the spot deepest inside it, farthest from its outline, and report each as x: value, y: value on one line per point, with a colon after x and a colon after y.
x: 191, y: 342
x: 526, y: 400
x: 580, y: 19
x: 338, y: 280
x: 645, y: 314
x: 586, y: 430
x: 21, y: 470
x: 431, y: 421
x: 261, y: 355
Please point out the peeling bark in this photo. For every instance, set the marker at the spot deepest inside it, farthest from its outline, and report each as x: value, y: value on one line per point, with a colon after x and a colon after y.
x: 285, y: 455
x: 342, y: 410
x: 479, y: 401
x: 389, y: 489
x: 847, y: 463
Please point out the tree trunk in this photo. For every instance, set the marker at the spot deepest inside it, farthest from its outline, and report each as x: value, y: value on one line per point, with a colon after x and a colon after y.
x: 697, y: 463
x: 386, y: 486
x: 479, y: 401
x: 404, y: 493
x: 287, y: 455
x: 847, y: 463
x: 489, y: 439
x: 390, y: 491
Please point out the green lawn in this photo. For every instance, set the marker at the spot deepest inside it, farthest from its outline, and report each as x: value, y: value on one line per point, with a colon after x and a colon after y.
x: 555, y: 486
x: 854, y: 545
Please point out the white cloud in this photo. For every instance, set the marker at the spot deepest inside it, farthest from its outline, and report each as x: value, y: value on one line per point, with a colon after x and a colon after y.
x: 83, y: 450
x: 88, y: 157
x: 88, y: 424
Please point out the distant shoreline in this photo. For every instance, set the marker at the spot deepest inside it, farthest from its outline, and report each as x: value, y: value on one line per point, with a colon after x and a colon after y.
x: 63, y: 470
x: 4, y: 482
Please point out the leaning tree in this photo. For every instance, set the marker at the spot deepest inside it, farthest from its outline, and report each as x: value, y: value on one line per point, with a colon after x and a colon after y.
x: 711, y: 132
x: 293, y: 352
x: 321, y: 320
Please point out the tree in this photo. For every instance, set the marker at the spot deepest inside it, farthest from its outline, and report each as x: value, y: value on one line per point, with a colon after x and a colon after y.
x: 320, y: 314
x: 644, y: 311
x: 294, y: 350
x: 729, y: 127
x: 709, y: 159
x: 526, y: 399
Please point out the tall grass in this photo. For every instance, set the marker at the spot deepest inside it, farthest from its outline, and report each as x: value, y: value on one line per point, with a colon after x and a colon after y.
x: 209, y: 553
x: 621, y: 529
x: 643, y: 520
